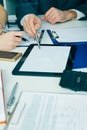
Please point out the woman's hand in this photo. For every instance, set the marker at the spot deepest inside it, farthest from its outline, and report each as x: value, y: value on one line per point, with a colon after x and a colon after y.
x: 10, y: 40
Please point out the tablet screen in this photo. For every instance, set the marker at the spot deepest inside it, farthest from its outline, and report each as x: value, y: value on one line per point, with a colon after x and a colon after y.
x: 48, y: 59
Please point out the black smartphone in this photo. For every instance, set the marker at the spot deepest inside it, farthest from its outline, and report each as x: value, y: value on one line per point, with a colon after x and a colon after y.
x: 9, y: 56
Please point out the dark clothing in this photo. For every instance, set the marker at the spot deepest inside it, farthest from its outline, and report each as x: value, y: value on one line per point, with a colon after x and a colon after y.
x: 1, y: 2
x: 42, y: 6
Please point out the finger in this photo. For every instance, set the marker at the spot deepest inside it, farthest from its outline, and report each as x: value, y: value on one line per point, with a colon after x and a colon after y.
x: 48, y: 13
x: 36, y: 24
x: 18, y: 39
x: 26, y: 27
x: 19, y: 34
x: 53, y: 20
x: 28, y: 31
x: 50, y: 16
x: 16, y: 43
x: 32, y: 25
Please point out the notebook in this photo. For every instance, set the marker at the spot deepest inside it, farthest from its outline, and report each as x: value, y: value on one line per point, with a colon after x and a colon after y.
x: 50, y: 111
x: 2, y: 102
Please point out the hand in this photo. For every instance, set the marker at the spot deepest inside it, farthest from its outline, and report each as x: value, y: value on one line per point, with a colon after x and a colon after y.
x: 1, y: 28
x: 31, y: 24
x: 54, y: 15
x: 10, y: 40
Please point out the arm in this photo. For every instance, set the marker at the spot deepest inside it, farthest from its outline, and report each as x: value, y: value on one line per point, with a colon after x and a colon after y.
x: 27, y: 10
x: 3, y: 18
x: 77, y: 9
x: 82, y: 8
x: 9, y: 40
x: 26, y: 7
x: 3, y: 15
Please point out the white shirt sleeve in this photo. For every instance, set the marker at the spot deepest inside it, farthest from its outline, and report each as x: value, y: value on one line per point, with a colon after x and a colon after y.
x: 22, y: 20
x: 79, y: 14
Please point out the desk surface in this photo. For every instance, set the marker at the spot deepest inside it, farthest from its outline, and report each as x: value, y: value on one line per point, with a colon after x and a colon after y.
x: 39, y: 84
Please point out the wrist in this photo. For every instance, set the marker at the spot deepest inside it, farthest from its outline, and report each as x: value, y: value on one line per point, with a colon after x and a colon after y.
x: 71, y: 14
x: 1, y: 28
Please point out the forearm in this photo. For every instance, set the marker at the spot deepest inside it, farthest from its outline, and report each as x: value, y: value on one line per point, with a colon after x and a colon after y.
x: 83, y: 9
x: 3, y: 16
x: 70, y: 14
x: 26, y: 7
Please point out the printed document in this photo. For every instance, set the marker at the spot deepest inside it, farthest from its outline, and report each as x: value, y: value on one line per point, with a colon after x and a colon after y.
x: 47, y: 111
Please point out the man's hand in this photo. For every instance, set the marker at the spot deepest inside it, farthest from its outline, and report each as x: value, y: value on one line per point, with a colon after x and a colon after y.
x: 31, y: 23
x: 54, y: 15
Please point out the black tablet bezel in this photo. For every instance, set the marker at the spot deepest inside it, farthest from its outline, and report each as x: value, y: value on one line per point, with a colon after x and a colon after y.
x: 47, y: 74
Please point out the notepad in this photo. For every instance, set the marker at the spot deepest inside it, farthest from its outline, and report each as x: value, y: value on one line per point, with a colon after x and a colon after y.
x: 2, y: 102
x: 50, y: 111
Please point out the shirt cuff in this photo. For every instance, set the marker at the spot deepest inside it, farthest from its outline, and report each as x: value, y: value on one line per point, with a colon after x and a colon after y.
x: 22, y: 20
x: 79, y: 14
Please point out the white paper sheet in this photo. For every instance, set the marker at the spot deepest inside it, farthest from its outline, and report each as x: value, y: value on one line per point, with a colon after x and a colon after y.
x: 46, y: 59
x: 46, y: 111
x: 72, y: 34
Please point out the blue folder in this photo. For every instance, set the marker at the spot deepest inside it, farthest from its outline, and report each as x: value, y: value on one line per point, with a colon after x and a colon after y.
x: 80, y: 60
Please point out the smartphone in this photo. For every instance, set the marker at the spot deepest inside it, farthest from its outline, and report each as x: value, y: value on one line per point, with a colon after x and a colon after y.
x: 9, y: 56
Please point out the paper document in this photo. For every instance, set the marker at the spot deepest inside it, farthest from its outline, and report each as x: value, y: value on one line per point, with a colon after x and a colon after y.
x: 78, y: 34
x: 46, y: 111
x: 2, y: 103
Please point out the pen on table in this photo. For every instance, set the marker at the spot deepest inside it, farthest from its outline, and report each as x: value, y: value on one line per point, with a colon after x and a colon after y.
x: 12, y: 96
x: 37, y: 39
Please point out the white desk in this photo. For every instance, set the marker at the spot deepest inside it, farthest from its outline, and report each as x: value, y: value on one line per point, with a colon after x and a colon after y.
x: 33, y: 83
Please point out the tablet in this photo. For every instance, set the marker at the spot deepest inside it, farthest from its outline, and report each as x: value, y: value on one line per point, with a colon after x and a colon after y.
x: 49, y: 60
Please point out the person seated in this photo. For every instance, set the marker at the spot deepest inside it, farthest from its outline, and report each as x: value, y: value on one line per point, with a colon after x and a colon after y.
x: 53, y: 11
x: 11, y: 39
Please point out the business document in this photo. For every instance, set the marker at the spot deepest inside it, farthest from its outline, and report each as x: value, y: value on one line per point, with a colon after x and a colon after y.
x: 50, y: 111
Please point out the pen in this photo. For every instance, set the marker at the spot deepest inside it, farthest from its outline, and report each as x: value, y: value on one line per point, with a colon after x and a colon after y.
x: 23, y: 38
x: 37, y: 39
x: 41, y: 36
x: 12, y: 96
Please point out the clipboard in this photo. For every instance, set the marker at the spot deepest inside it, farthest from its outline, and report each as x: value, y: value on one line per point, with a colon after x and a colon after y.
x: 80, y: 60
x: 49, y: 60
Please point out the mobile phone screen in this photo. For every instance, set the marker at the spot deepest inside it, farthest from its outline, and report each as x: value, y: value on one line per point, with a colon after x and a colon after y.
x: 9, y: 55
x: 5, y: 55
